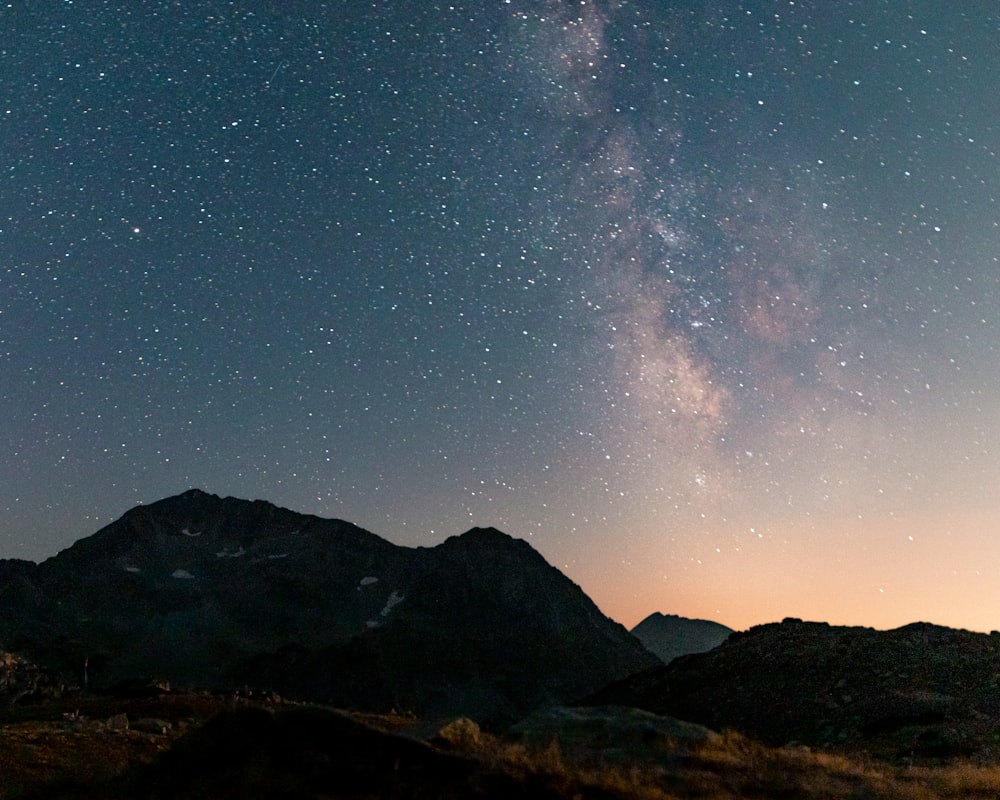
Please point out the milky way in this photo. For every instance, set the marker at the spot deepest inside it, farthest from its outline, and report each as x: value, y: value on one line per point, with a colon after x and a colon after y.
x: 701, y: 299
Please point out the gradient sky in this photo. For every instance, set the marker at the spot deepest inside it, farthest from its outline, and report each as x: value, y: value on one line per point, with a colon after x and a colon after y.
x: 702, y: 299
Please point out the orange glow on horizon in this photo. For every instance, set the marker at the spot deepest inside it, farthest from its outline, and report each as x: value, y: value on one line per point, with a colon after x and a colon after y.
x: 880, y: 573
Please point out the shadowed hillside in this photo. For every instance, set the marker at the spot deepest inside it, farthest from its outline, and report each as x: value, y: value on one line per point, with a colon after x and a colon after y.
x: 197, y: 590
x: 917, y: 691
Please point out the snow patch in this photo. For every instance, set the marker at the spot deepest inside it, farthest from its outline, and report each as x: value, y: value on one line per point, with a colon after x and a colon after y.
x: 231, y: 554
x: 182, y: 574
x: 187, y: 532
x: 394, y: 600
x: 278, y: 555
x: 373, y: 623
x: 368, y: 581
x: 132, y: 569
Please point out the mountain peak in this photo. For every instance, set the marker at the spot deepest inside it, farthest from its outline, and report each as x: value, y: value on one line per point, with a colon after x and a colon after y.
x: 203, y: 590
x: 487, y: 538
x: 670, y: 636
x: 486, y: 533
x: 489, y: 530
x: 196, y: 494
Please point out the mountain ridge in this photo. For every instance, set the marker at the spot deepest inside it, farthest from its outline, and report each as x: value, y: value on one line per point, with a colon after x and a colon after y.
x: 670, y: 636
x: 202, y: 590
x: 920, y: 689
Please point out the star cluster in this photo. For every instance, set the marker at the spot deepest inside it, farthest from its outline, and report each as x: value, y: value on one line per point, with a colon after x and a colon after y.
x: 702, y: 298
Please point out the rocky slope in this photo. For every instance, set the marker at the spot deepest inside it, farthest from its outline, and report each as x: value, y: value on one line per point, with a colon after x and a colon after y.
x: 919, y: 690
x: 486, y: 629
x: 200, y: 590
x: 669, y: 636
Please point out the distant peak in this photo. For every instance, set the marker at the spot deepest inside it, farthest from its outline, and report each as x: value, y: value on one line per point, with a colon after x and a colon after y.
x: 195, y: 494
x: 186, y: 499
x: 189, y: 496
x: 488, y: 531
x: 480, y: 538
x: 489, y: 535
x: 658, y: 619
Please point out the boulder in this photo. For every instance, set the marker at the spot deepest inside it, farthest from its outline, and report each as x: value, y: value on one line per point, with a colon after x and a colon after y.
x: 611, y: 735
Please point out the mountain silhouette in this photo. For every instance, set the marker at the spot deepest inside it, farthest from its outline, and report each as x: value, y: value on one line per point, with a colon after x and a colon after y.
x: 199, y: 590
x: 669, y: 636
x: 918, y: 690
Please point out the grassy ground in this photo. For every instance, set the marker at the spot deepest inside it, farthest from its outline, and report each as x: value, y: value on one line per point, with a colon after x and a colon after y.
x: 735, y: 767
x: 74, y: 744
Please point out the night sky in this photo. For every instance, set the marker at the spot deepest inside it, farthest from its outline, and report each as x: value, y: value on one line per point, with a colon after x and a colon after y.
x: 702, y: 299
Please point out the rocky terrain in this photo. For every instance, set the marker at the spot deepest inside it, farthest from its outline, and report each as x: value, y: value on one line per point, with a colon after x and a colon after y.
x: 669, y: 636
x: 197, y: 745
x: 200, y: 591
x: 24, y: 681
x: 917, y: 692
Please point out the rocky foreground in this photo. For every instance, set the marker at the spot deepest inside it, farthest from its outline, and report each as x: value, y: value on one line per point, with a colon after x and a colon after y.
x: 187, y: 745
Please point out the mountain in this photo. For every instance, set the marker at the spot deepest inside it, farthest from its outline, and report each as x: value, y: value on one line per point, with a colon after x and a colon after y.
x: 487, y: 629
x: 203, y: 591
x: 919, y: 690
x: 669, y: 636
